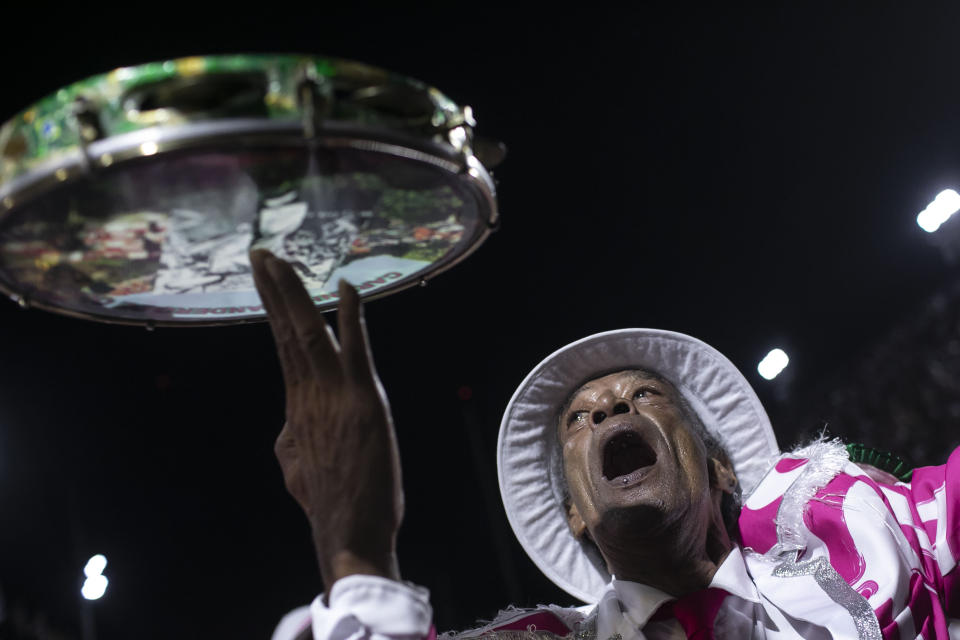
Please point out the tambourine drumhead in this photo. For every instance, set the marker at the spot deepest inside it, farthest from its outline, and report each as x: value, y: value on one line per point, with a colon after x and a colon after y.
x: 149, y: 217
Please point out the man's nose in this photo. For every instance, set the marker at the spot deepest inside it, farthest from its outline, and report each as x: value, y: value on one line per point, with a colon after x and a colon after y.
x: 608, y: 405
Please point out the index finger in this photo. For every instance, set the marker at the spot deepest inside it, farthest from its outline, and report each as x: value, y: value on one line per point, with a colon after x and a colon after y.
x: 317, y: 342
x: 292, y: 363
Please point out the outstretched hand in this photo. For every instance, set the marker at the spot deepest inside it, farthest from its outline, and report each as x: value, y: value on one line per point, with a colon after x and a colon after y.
x: 338, y: 449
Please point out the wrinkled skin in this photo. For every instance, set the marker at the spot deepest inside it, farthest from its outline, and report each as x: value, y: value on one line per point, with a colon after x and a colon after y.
x: 661, y: 524
x: 338, y: 449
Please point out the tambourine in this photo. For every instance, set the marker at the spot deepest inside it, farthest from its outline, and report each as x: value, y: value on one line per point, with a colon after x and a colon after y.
x: 135, y: 196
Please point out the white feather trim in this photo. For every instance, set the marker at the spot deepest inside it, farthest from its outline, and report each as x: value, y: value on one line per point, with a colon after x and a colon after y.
x: 826, y: 458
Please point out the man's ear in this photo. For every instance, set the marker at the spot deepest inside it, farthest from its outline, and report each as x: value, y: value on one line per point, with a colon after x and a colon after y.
x: 577, y: 526
x: 722, y: 476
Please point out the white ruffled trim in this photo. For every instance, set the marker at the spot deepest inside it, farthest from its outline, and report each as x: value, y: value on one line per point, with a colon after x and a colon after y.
x: 826, y: 458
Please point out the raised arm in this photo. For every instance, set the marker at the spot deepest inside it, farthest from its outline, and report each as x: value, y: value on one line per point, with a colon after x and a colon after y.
x: 338, y: 449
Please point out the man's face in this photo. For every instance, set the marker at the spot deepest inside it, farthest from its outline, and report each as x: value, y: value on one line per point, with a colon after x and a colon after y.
x: 632, y: 463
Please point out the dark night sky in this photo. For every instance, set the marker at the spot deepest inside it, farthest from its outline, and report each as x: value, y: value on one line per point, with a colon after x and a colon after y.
x: 750, y: 177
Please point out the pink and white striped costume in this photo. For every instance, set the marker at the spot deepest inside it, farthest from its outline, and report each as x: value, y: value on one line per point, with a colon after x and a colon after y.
x: 826, y: 553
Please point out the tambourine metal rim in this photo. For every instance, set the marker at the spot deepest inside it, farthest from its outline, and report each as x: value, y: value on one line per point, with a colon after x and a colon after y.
x: 234, y: 133
x: 248, y: 133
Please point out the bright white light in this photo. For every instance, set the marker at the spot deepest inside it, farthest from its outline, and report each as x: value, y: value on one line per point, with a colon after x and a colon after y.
x: 773, y: 363
x: 94, y: 587
x: 939, y: 211
x: 95, y: 565
x: 149, y: 148
x: 96, y: 583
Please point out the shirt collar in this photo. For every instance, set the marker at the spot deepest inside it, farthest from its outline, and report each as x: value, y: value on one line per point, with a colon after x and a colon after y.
x: 732, y: 577
x: 640, y: 601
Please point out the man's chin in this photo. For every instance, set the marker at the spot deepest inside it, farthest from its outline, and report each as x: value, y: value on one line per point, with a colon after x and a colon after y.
x: 637, y: 521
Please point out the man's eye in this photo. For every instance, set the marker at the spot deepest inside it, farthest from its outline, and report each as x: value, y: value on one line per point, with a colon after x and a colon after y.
x: 577, y: 418
x: 645, y: 392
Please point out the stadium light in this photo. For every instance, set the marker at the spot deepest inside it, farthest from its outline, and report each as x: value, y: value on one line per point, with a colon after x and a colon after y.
x: 94, y: 587
x: 773, y: 363
x: 939, y: 211
x: 95, y: 565
x: 95, y: 584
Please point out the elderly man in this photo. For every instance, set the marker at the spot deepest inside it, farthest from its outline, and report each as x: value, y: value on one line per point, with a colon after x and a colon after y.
x: 623, y: 459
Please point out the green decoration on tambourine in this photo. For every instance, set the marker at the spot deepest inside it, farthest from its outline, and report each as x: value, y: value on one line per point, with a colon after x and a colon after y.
x: 883, y: 460
x: 134, y: 196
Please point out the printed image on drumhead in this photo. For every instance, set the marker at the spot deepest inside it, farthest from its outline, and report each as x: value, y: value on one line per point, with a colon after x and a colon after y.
x: 167, y: 239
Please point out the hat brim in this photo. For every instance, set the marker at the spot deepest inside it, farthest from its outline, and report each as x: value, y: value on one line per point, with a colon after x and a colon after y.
x: 528, y: 457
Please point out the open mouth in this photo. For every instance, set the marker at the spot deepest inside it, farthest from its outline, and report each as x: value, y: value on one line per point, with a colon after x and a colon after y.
x: 624, y: 454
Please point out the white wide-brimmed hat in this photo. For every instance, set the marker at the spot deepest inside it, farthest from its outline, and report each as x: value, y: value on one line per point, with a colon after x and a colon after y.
x: 528, y: 456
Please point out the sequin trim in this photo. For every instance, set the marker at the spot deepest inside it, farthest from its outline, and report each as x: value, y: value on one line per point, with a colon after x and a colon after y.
x: 826, y: 460
x: 838, y: 590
